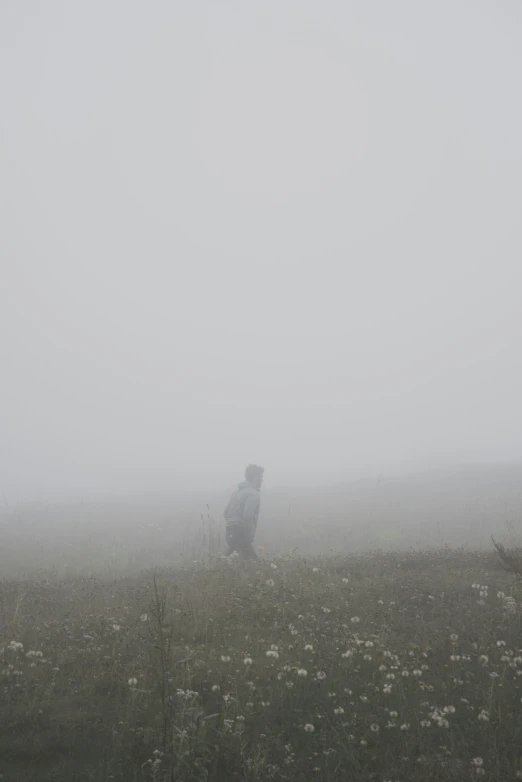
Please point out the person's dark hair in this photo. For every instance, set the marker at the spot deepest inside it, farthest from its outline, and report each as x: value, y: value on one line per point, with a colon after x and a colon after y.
x: 253, y: 471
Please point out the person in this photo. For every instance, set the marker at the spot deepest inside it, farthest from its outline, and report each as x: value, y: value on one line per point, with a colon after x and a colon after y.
x: 242, y: 513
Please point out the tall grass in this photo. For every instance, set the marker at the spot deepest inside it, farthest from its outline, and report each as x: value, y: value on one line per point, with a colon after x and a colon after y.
x: 382, y: 666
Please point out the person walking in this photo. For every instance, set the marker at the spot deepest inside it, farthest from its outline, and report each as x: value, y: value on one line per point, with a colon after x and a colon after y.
x: 242, y: 513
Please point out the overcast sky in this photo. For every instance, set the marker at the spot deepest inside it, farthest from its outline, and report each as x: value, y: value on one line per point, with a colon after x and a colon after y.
x: 282, y: 231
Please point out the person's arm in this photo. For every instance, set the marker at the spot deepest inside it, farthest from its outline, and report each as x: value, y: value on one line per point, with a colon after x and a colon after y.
x: 251, y: 508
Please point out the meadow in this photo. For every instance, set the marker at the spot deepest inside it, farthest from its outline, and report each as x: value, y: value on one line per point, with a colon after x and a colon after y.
x: 378, y: 666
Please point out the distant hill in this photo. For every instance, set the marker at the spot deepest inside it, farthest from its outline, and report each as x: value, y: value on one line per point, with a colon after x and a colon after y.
x: 455, y: 507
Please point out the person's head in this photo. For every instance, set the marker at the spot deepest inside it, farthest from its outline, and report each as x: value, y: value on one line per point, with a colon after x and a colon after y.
x: 254, y: 473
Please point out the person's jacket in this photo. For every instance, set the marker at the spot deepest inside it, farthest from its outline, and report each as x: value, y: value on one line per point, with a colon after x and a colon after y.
x: 243, y: 507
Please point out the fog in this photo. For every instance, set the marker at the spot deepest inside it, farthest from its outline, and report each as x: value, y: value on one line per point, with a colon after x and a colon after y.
x: 286, y: 233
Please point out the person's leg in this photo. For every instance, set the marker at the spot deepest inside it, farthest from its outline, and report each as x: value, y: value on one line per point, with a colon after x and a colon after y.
x: 231, y: 536
x: 250, y: 552
x: 247, y: 539
x: 239, y: 538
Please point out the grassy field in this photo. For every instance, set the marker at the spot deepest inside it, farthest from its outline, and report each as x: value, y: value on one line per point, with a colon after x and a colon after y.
x: 377, y: 667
